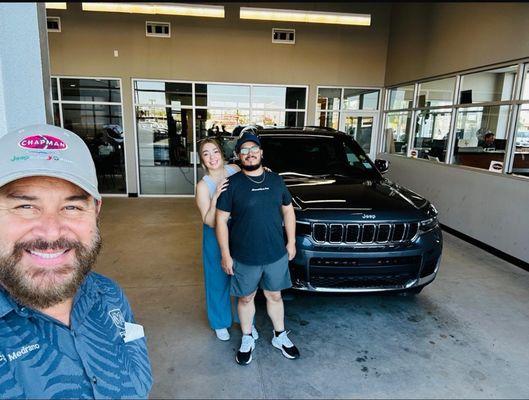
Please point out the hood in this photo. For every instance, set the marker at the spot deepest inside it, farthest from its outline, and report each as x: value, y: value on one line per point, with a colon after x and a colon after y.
x: 360, y: 199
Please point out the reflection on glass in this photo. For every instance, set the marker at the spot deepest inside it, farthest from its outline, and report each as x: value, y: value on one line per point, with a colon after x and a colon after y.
x: 436, y: 93
x: 295, y: 119
x: 480, y: 135
x: 222, y: 122
x: 100, y: 126
x: 274, y: 97
x: 165, y: 143
x: 521, y: 151
x: 525, y: 89
x: 329, y: 99
x: 94, y: 90
x: 163, y: 93
x: 397, y: 128
x: 488, y: 86
x: 56, y: 115
x: 361, y: 129
x: 431, y: 134
x: 360, y: 99
x: 54, y: 89
x: 222, y: 96
x: 268, y: 118
x: 401, y: 97
x: 329, y: 119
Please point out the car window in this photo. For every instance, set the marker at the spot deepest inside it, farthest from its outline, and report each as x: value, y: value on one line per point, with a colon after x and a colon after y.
x: 315, y: 156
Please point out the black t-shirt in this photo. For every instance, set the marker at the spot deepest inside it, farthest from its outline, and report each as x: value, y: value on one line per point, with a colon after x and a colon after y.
x: 256, y: 227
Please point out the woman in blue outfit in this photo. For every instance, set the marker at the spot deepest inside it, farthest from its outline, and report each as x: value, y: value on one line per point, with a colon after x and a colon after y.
x: 214, y: 182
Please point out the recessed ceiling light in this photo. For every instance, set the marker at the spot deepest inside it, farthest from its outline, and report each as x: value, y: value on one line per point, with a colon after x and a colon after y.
x: 191, y: 10
x: 56, y: 6
x: 318, y: 17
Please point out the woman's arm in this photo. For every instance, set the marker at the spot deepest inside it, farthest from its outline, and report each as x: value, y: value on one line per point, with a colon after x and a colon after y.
x: 207, y: 206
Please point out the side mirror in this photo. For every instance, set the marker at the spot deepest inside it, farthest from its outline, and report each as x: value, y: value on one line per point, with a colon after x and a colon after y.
x: 382, y: 165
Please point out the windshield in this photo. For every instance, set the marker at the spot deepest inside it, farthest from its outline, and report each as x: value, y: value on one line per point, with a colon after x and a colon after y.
x: 316, y: 156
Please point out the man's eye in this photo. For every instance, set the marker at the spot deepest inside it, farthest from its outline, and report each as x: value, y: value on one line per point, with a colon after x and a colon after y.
x: 72, y: 208
x: 24, y: 207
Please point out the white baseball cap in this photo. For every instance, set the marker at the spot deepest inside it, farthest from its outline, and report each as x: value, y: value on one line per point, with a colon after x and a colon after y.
x: 47, y: 150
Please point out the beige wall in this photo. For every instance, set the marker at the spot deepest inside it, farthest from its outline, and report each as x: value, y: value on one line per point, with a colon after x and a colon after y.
x: 440, y: 38
x: 221, y: 50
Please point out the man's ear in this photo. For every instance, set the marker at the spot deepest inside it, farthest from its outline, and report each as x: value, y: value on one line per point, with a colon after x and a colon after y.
x: 99, y: 203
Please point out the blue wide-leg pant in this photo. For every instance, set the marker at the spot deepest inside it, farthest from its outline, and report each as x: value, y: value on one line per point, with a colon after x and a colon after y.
x: 217, y: 282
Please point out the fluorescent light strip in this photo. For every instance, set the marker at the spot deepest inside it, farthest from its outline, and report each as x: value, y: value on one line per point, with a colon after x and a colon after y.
x: 56, y: 6
x: 152, y: 8
x: 318, y: 17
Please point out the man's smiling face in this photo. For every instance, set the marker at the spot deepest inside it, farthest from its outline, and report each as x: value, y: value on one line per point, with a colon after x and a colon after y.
x: 49, y: 239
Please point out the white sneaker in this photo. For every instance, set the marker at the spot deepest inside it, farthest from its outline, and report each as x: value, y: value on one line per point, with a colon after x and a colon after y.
x: 283, y: 343
x: 255, y: 334
x: 222, y: 334
x: 244, y: 355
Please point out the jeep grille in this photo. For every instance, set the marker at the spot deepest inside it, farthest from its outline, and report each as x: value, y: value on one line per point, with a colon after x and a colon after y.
x: 368, y: 233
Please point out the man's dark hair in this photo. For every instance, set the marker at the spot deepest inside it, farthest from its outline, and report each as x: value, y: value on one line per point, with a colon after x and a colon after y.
x: 488, y: 135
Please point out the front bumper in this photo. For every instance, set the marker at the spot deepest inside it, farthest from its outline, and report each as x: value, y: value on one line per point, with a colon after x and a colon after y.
x: 354, y: 269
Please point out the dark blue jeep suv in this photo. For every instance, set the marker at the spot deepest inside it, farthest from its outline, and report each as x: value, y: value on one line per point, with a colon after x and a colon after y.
x: 356, y: 231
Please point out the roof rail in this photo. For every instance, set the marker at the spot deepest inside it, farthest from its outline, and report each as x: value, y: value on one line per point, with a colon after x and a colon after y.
x: 325, y: 128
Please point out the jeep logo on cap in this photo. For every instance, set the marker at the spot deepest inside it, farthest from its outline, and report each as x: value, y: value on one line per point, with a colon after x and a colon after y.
x: 42, y: 142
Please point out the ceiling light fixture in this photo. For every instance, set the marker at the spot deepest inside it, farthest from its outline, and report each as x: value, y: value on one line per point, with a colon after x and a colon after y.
x: 56, y: 6
x: 190, y: 10
x: 317, y: 17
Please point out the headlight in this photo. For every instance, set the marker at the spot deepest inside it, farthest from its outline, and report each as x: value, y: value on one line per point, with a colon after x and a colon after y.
x: 428, y: 224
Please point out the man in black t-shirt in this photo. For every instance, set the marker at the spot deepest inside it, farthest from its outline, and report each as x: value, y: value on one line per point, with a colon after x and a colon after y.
x: 253, y: 249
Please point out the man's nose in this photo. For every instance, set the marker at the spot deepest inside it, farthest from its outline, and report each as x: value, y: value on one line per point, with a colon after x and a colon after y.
x: 50, y: 226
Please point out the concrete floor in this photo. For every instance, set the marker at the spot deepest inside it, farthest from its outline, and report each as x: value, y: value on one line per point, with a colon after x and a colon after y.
x: 464, y: 336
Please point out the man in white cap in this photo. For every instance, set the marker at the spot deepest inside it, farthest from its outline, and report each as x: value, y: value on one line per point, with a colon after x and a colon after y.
x: 65, y: 332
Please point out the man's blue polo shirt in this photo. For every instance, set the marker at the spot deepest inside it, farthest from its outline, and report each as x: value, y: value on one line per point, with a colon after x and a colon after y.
x: 42, y: 358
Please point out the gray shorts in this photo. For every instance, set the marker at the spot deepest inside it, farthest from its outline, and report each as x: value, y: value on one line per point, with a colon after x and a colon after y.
x: 272, y: 277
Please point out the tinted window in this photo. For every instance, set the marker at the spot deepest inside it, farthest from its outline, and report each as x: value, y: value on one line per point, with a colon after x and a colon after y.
x: 315, y: 156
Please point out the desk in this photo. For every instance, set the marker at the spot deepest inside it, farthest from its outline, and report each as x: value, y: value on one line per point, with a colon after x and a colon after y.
x: 482, y: 159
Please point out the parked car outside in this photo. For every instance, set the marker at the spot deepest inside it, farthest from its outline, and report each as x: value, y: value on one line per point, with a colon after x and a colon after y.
x: 355, y: 230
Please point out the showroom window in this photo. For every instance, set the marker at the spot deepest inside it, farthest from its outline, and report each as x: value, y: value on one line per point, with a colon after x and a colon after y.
x: 398, y: 119
x: 350, y: 110
x: 92, y: 108
x: 171, y: 117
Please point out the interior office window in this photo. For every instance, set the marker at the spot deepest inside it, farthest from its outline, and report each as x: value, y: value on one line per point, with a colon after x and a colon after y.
x: 361, y: 129
x: 525, y: 87
x: 90, y: 90
x: 397, y: 131
x: 481, y: 135
x: 54, y: 89
x: 431, y: 134
x: 488, y: 86
x: 521, y: 141
x: 401, y: 97
x: 56, y: 114
x: 436, y: 93
x: 360, y: 99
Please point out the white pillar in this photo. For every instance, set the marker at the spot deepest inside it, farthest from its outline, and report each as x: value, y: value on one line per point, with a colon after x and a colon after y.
x: 24, y: 66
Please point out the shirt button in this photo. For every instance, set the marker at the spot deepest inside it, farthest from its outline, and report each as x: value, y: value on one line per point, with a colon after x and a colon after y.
x: 94, y: 380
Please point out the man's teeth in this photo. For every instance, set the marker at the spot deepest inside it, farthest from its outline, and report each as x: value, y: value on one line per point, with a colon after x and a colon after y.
x: 47, y: 255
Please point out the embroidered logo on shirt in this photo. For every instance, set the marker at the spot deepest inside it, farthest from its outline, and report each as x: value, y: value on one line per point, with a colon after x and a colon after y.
x: 18, y: 353
x: 118, y: 320
x: 260, y: 189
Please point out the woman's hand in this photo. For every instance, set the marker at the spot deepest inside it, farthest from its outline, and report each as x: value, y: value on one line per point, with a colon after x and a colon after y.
x: 221, y: 187
x: 267, y: 169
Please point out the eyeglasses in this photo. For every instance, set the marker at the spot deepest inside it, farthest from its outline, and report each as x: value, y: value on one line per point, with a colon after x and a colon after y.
x: 246, y: 150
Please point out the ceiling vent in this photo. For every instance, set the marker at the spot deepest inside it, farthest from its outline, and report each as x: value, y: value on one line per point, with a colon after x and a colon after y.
x: 158, y: 29
x: 54, y: 24
x: 284, y: 36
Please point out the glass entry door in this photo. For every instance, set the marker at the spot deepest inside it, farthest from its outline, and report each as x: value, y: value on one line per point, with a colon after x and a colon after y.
x: 166, y: 153
x: 362, y: 127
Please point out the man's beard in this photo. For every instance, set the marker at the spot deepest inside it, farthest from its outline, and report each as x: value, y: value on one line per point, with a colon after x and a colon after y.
x: 252, y: 167
x: 37, y: 287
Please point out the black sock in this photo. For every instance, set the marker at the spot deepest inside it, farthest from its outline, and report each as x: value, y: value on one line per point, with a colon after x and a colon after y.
x: 278, y: 333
